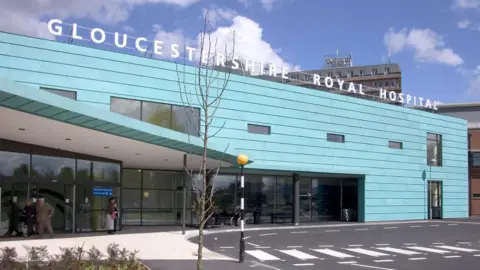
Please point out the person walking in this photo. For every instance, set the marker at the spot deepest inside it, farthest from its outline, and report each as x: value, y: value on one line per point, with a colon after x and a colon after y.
x: 44, y: 217
x: 30, y: 213
x: 111, y: 215
x: 14, y: 221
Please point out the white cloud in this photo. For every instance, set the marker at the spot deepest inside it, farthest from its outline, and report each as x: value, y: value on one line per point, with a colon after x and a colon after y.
x: 473, y: 78
x: 128, y: 28
x: 428, y: 46
x: 266, y: 4
x: 249, y: 43
x: 464, y: 24
x: 174, y: 37
x: 25, y: 17
x: 216, y: 15
x: 466, y: 4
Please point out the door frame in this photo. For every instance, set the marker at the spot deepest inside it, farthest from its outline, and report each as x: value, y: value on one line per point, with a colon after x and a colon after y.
x: 34, y: 183
x: 437, y: 184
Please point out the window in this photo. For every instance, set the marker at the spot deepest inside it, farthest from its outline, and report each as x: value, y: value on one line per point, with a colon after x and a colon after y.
x: 63, y: 93
x: 339, y: 74
x: 475, y: 159
x: 352, y: 74
x: 128, y: 107
x: 157, y: 114
x: 308, y: 78
x: 386, y: 71
x: 434, y: 149
x: 476, y: 195
x: 179, y: 118
x: 294, y: 77
x: 360, y: 72
x: 335, y: 138
x: 395, y: 145
x: 374, y: 71
x: 258, y: 129
x: 330, y: 74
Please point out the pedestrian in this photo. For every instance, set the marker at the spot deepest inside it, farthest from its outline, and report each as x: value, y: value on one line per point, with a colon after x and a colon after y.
x: 30, y: 213
x: 14, y: 213
x: 111, y: 215
x: 44, y: 212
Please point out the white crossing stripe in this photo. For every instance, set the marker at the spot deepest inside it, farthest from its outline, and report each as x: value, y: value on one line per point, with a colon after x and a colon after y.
x: 453, y: 256
x: 399, y: 251
x: 298, y: 254
x: 333, y: 253
x: 367, y: 252
x: 458, y: 248
x: 438, y: 251
x: 303, y: 264
x: 262, y: 255
x: 417, y: 259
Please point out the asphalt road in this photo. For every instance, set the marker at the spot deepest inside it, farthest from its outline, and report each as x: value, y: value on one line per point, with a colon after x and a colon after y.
x: 432, y: 245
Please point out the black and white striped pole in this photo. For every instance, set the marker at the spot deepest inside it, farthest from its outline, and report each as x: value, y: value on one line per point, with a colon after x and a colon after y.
x: 242, y: 160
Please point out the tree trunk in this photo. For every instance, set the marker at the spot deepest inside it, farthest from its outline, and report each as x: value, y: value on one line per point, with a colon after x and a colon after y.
x: 205, y: 194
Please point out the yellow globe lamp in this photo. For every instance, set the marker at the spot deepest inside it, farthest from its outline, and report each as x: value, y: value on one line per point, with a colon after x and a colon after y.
x: 242, y: 159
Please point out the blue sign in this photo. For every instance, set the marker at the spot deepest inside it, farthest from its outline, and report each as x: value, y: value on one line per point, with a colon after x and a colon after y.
x: 102, y: 191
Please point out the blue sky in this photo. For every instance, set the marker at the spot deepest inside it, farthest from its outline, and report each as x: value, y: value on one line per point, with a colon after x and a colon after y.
x: 434, y: 41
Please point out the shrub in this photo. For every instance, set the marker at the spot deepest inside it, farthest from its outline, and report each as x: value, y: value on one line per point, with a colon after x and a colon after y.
x: 76, y: 258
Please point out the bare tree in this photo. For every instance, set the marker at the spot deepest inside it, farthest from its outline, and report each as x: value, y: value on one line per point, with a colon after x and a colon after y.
x: 205, y: 91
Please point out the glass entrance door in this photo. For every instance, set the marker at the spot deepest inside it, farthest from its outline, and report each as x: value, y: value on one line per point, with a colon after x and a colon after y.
x: 16, y: 192
x: 60, y: 197
x: 435, y: 198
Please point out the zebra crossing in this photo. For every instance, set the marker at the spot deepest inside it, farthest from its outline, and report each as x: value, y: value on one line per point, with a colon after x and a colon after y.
x: 412, y: 252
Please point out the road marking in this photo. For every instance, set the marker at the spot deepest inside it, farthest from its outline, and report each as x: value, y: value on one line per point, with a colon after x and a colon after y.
x: 476, y: 255
x: 438, y: 243
x: 438, y: 251
x: 452, y: 224
x: 383, y: 260
x: 262, y: 247
x: 298, y: 254
x: 373, y: 267
x: 464, y: 243
x: 252, y: 244
x: 399, y: 251
x: 417, y: 259
x: 347, y: 262
x: 333, y: 253
x: 300, y: 232
x: 410, y: 244
x: 265, y: 234
x: 303, y: 264
x: 355, y: 245
x: 325, y: 246
x: 294, y: 246
x: 382, y: 244
x: 388, y: 228
x: 262, y: 255
x: 453, y: 256
x: 435, y: 225
x: 225, y: 247
x: 363, y: 229
x: 458, y: 248
x: 247, y: 237
x: 264, y: 265
x: 416, y: 226
x: 332, y: 230
x: 367, y: 252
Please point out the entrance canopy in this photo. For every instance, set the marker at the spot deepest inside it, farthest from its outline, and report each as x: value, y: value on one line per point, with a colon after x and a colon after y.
x: 38, y: 117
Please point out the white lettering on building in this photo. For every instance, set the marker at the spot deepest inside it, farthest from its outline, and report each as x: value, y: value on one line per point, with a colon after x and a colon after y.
x: 99, y: 36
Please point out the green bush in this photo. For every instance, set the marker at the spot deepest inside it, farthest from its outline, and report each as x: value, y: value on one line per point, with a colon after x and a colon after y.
x: 76, y: 258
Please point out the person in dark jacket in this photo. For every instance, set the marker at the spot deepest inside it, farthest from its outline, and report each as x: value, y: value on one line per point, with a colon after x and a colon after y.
x: 30, y: 213
x: 14, y: 221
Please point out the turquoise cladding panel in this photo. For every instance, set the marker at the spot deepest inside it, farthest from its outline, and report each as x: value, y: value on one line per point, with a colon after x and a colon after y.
x: 392, y: 188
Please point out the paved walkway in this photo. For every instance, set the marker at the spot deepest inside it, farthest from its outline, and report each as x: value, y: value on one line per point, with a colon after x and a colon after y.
x: 152, y: 246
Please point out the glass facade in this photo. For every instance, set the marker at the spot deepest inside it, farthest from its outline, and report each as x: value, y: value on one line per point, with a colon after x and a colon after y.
x: 154, y: 197
x: 66, y: 181
x: 179, y: 118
